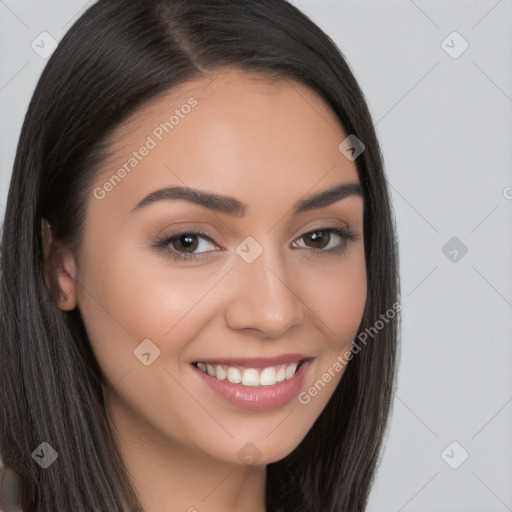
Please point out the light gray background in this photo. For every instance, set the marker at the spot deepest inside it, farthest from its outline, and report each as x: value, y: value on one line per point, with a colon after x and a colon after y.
x: 446, y: 133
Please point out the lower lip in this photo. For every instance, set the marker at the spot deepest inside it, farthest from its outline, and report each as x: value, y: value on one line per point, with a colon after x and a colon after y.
x: 258, y: 398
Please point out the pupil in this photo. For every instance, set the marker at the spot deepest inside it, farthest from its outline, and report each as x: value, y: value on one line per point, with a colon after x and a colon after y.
x: 318, y: 238
x: 189, y: 240
x: 315, y: 238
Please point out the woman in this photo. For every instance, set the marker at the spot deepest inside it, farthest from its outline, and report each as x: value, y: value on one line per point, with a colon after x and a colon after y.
x: 199, y: 268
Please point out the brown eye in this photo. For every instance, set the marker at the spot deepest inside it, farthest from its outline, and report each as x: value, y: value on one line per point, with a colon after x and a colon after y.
x: 186, y: 242
x: 320, y: 239
x: 182, y: 246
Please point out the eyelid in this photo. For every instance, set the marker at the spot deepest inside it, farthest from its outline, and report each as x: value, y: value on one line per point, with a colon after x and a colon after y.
x: 163, y: 242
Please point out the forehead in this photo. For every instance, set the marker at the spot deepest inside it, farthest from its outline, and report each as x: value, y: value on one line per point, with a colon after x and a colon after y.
x: 230, y: 95
x: 231, y: 130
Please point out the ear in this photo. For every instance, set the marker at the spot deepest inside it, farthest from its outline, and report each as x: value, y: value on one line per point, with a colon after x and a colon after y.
x: 60, y: 270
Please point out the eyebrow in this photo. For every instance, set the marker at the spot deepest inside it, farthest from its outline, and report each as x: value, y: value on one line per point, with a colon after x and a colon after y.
x: 231, y: 206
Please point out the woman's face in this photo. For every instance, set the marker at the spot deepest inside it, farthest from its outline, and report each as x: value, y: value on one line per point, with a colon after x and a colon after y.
x: 265, y: 284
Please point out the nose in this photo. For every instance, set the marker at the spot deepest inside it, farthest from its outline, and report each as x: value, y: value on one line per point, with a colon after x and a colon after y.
x: 262, y: 297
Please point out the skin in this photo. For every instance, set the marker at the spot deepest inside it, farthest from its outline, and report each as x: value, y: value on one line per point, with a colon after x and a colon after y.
x: 267, y: 143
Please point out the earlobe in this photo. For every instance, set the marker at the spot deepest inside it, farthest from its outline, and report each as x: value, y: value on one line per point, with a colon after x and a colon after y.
x: 60, y: 270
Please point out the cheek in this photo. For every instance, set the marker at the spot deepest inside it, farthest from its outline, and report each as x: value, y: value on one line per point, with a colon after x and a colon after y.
x: 339, y: 294
x: 340, y: 298
x: 140, y: 295
x: 131, y: 297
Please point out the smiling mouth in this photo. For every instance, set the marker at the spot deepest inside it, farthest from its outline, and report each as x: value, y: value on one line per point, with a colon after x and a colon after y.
x: 250, y: 377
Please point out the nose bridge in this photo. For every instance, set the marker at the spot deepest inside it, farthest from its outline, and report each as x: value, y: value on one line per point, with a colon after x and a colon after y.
x: 263, y: 297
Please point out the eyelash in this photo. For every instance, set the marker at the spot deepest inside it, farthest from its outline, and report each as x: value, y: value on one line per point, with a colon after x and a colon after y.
x: 163, y: 243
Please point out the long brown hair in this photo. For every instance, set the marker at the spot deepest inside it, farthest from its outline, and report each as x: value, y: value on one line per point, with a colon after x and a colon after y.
x: 118, y: 55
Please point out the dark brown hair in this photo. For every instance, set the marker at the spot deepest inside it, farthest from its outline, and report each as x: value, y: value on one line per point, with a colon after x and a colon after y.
x: 116, y: 57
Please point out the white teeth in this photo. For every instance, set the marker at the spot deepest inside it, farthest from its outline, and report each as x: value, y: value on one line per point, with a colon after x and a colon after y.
x: 250, y: 376
x: 290, y: 370
x: 234, y: 375
x: 220, y: 372
x: 268, y: 377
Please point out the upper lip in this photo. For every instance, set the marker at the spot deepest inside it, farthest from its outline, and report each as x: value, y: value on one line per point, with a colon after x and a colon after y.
x: 255, y: 362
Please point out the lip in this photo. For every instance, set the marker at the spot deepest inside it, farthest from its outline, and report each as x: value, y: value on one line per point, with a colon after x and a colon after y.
x: 256, y: 362
x: 258, y: 398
